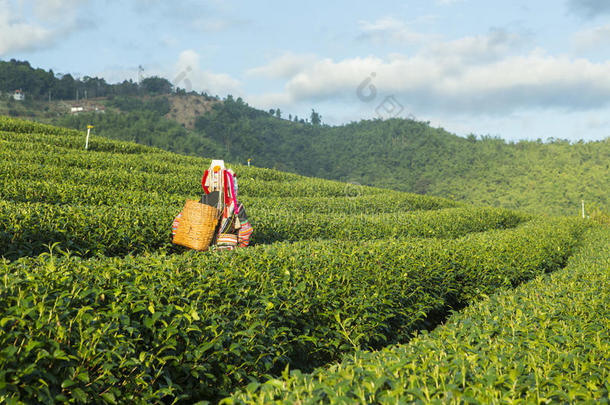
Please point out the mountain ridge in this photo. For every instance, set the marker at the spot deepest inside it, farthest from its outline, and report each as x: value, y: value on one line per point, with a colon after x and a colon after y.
x: 407, y: 155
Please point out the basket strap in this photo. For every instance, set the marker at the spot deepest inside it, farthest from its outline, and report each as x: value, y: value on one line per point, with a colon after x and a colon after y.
x: 205, y: 177
x: 221, y: 199
x: 232, y: 188
x: 225, y: 189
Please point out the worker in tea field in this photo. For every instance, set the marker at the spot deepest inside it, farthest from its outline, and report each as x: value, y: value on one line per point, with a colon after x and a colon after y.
x: 220, y: 191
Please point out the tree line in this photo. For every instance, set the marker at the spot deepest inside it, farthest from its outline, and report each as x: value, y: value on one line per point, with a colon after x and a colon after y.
x: 40, y: 84
x: 402, y: 154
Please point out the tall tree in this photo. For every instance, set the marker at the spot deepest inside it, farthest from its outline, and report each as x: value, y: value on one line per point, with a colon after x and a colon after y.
x: 316, y: 119
x: 157, y: 85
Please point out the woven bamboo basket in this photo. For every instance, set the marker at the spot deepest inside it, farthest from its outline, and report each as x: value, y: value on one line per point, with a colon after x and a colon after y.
x: 197, y: 225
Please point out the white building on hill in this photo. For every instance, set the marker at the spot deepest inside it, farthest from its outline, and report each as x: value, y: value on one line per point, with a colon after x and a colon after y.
x: 75, y: 109
x: 19, y: 95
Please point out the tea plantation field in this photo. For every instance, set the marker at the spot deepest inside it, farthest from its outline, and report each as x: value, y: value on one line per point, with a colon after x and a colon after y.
x: 332, y: 303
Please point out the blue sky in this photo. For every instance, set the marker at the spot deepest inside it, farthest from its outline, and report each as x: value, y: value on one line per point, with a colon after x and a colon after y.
x: 514, y: 69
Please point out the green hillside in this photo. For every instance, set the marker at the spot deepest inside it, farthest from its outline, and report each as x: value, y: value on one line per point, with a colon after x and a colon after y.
x: 96, y: 304
x: 544, y: 177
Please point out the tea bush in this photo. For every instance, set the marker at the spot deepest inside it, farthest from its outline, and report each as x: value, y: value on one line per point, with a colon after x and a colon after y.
x: 27, y: 229
x: 545, y: 342
x: 194, y: 327
x: 335, y: 269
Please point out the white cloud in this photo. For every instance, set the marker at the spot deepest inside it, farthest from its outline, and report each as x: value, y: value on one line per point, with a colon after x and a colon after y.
x: 329, y: 79
x: 186, y: 74
x: 591, y: 38
x: 189, y: 75
x: 284, y: 66
x: 17, y: 33
x: 474, y: 75
x: 475, y: 49
x: 495, y: 43
x: 53, y: 10
x: 389, y: 29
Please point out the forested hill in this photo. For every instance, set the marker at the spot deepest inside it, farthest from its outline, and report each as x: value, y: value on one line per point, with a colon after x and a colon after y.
x: 40, y: 84
x: 407, y: 155
x: 548, y: 177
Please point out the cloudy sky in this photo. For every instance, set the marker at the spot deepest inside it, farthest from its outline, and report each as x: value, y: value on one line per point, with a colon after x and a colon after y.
x: 514, y: 69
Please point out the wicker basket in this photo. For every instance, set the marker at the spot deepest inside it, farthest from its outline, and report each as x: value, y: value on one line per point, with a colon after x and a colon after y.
x: 197, y: 225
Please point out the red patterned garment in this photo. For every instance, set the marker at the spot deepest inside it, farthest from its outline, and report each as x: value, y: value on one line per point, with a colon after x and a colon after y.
x: 175, y: 224
x: 245, y: 231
